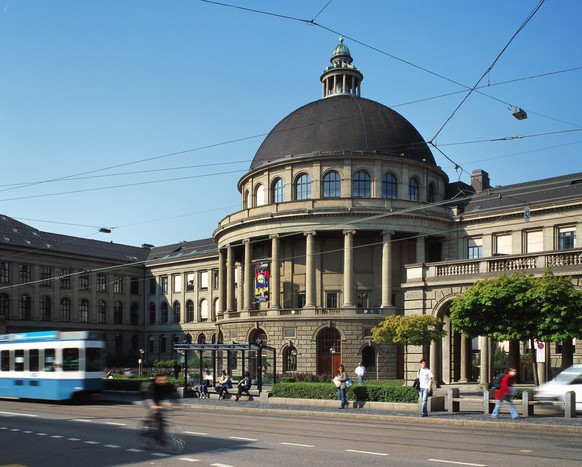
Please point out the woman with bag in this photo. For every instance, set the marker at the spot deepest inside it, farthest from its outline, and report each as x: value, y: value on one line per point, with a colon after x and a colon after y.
x: 341, y: 378
x: 506, y: 392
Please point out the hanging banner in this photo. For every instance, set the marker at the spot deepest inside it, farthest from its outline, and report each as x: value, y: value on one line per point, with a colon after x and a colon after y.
x: 262, y: 282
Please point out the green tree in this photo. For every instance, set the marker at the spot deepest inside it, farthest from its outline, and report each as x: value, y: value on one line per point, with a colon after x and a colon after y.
x: 520, y: 307
x: 408, y: 330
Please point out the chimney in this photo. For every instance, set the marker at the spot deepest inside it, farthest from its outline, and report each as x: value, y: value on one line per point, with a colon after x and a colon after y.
x: 480, y: 180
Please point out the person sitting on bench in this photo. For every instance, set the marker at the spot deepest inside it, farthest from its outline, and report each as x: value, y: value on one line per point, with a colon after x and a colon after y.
x: 243, y: 386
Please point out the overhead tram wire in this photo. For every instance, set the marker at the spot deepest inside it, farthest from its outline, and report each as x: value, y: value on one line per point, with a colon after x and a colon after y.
x: 530, y: 16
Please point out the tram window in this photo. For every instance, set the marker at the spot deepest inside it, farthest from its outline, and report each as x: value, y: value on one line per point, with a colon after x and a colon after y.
x: 70, y: 359
x: 49, y: 359
x: 19, y: 360
x: 93, y: 359
x: 33, y: 360
x: 5, y: 360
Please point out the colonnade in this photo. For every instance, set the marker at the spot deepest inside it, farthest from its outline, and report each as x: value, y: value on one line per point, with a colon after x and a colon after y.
x: 227, y: 268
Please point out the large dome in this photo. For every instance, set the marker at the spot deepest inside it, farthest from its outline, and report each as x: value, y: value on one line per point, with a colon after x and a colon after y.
x: 343, y: 123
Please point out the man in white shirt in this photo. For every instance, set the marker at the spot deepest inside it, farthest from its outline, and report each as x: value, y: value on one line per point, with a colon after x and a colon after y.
x: 360, y: 372
x: 425, y: 377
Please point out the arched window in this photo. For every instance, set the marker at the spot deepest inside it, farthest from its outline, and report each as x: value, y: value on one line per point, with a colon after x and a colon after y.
x: 247, y: 202
x: 431, y: 193
x: 278, y: 190
x: 164, y: 313
x: 189, y: 311
x: 413, y: 191
x: 332, y: 185
x: 389, y: 186
x: 45, y: 308
x: 216, y: 305
x: 65, y: 310
x: 118, y: 313
x: 84, y: 311
x: 152, y: 313
x: 102, y: 311
x: 303, y: 187
x: 289, y: 359
x: 203, y: 310
x: 202, y: 338
x: 260, y: 195
x: 362, y: 185
x: 177, y: 312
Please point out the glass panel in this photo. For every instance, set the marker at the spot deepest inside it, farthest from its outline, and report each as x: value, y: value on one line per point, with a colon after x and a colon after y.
x: 70, y: 359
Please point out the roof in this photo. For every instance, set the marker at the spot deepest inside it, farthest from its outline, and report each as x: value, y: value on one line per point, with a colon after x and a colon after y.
x: 18, y: 234
x: 343, y: 123
x: 204, y: 247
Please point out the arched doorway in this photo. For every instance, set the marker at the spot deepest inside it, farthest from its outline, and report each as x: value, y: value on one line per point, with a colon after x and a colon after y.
x: 329, y: 351
x: 257, y: 336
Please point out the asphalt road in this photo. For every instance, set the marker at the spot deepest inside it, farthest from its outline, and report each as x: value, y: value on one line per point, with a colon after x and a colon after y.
x: 45, y: 434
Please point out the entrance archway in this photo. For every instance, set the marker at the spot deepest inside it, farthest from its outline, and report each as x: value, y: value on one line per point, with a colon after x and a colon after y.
x: 329, y: 351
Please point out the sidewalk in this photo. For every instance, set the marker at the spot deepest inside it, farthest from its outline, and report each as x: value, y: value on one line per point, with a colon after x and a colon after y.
x: 549, y: 421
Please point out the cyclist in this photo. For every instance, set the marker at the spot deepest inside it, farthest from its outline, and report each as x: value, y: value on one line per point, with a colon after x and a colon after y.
x: 158, y: 391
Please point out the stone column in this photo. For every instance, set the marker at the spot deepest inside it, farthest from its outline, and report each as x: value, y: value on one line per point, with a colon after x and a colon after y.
x: 420, y: 250
x: 464, y: 362
x: 229, y: 279
x: 387, y: 269
x: 484, y: 374
x: 221, y: 281
x: 349, y: 268
x: 309, y: 270
x: 434, y: 363
x: 274, y: 283
x: 248, y: 279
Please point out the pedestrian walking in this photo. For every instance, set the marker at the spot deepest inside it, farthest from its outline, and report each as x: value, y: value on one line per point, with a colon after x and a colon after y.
x: 425, y: 379
x: 360, y: 372
x: 340, y: 381
x: 506, y: 392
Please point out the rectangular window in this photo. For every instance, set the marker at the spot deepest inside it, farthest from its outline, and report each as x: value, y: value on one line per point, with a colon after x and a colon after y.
x: 190, y: 282
x: 534, y: 241
x: 204, y: 280
x: 33, y: 360
x: 331, y: 299
x: 4, y: 276
x: 301, y: 299
x: 153, y: 285
x: 65, y: 279
x: 5, y: 360
x: 49, y: 360
x: 25, y: 273
x: 177, y: 279
x: 474, y: 248
x: 118, y: 284
x: 101, y: 283
x: 566, y: 238
x: 84, y: 282
x: 71, y: 359
x: 164, y: 284
x: 503, y: 244
x: 288, y: 333
x: 93, y: 359
x: 19, y: 360
x: 362, y: 300
x: 134, y: 286
x: 45, y: 276
x: 215, y: 283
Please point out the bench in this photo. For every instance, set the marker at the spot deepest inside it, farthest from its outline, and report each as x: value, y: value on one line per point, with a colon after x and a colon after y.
x: 527, y: 403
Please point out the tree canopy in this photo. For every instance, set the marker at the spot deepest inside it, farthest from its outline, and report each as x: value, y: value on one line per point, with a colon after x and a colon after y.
x: 520, y: 307
x: 409, y: 330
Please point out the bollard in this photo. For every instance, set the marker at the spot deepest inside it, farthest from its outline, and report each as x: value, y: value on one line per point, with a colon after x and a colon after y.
x: 527, y: 409
x: 487, y: 407
x: 570, y: 404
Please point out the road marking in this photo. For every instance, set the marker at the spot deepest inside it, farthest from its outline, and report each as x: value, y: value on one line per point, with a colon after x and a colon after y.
x: 73, y: 439
x: 28, y: 432
x: 41, y: 434
x: 134, y: 450
x: 81, y: 420
x: 457, y: 463
x: 525, y: 450
x: 220, y: 465
x: 92, y: 442
x: 299, y: 445
x: 114, y: 446
x: 14, y: 429
x: 189, y: 459
x: 160, y: 454
x: 19, y: 414
x: 367, y: 452
x: 197, y: 433
x: 242, y: 439
x: 57, y: 436
x: 115, y: 424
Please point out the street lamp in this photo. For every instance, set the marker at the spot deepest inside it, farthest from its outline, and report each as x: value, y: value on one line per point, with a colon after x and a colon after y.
x: 331, y: 351
x: 140, y: 360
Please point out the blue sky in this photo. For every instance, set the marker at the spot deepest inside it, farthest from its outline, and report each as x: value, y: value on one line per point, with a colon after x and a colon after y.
x: 141, y: 116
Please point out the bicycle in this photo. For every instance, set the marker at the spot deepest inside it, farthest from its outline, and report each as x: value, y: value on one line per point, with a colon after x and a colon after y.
x: 157, y: 432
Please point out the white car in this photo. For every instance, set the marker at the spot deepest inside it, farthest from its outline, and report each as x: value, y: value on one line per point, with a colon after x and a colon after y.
x: 569, y: 379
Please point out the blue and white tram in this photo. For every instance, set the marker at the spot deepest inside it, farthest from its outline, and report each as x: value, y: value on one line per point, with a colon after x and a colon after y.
x: 51, y: 365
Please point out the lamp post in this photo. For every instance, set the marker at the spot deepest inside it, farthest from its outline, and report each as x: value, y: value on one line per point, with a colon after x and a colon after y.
x: 331, y: 352
x: 140, y: 360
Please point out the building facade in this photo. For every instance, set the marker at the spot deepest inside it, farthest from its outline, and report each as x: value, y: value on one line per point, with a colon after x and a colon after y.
x: 345, y: 219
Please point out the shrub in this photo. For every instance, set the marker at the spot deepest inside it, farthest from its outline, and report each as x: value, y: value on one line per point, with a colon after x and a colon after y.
x: 328, y: 391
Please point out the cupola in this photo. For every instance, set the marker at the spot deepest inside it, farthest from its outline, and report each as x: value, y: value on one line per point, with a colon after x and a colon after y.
x: 341, y: 77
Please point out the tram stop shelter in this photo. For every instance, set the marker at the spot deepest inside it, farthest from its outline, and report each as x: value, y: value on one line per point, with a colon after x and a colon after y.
x: 260, y: 360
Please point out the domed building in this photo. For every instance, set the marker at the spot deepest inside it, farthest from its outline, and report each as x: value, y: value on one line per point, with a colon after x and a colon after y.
x: 341, y: 194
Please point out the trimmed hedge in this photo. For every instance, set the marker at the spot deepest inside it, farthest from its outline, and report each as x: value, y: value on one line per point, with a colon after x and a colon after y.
x: 328, y: 391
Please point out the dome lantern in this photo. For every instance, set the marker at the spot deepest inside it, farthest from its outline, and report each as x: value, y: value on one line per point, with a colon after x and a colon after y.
x: 341, y: 77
